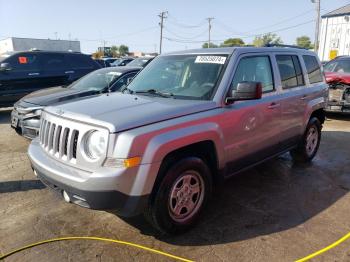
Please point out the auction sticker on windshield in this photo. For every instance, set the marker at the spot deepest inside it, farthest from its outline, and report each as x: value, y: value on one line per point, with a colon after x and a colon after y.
x: 211, y: 59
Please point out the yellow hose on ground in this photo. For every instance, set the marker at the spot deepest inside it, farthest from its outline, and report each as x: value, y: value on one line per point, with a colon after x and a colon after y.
x: 336, y: 243
x: 98, y: 239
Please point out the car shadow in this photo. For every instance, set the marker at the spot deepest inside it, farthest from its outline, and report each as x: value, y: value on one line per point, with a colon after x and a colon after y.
x: 338, y: 116
x: 5, y: 115
x: 272, y: 197
x: 21, y: 185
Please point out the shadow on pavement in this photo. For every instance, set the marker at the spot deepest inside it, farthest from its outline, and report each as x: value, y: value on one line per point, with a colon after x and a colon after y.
x: 272, y: 197
x: 21, y: 185
x: 5, y: 115
x: 338, y: 116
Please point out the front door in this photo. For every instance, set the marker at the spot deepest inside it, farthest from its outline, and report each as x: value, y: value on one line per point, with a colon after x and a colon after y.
x: 23, y: 78
x: 252, y: 127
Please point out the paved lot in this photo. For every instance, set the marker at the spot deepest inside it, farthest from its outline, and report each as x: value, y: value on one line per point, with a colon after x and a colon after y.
x: 275, y: 212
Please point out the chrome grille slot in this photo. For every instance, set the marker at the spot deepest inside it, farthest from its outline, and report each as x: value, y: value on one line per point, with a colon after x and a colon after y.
x: 51, y: 136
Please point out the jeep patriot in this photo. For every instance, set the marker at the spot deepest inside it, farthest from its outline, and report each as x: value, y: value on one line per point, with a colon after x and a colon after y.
x: 187, y: 120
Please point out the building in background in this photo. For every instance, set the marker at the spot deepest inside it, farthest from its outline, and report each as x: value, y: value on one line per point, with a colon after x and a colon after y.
x: 140, y: 54
x: 335, y: 34
x: 24, y: 44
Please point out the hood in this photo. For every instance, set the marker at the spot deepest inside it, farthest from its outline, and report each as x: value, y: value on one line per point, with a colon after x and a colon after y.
x: 49, y: 96
x: 120, y: 112
x: 332, y: 77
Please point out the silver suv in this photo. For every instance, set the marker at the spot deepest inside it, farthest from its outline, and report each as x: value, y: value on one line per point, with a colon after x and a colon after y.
x: 187, y: 120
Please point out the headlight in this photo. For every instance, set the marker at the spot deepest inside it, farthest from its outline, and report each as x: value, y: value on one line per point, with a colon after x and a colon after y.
x: 95, y: 144
x: 38, y: 112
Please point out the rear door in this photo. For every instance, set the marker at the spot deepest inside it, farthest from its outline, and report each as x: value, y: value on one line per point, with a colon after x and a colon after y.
x: 293, y: 99
x: 253, y: 126
x: 23, y: 78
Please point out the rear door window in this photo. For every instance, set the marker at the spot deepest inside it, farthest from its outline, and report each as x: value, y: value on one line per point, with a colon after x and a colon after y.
x: 80, y: 62
x: 313, y: 69
x: 290, y: 71
x: 257, y: 69
x: 54, y: 62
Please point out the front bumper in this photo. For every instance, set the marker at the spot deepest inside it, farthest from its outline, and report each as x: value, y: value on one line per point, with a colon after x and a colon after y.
x: 90, y: 190
x: 25, y: 124
x: 339, y: 99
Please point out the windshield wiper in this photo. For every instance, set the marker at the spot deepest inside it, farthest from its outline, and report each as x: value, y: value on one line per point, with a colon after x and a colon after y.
x: 154, y: 92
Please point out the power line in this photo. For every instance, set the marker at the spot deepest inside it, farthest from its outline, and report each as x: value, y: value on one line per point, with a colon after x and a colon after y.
x: 174, y: 21
x: 185, y: 38
x: 256, y: 35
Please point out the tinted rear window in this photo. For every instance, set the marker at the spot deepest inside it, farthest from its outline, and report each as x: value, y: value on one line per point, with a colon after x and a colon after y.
x: 80, y: 62
x: 313, y: 69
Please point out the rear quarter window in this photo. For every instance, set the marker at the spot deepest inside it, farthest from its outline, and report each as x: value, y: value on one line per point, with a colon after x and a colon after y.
x: 313, y: 69
x: 81, y: 62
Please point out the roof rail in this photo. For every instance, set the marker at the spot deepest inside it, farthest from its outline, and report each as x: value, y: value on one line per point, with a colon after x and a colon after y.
x: 280, y: 45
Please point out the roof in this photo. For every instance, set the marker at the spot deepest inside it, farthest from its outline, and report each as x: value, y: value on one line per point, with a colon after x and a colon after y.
x: 41, y: 39
x: 230, y: 50
x: 345, y: 10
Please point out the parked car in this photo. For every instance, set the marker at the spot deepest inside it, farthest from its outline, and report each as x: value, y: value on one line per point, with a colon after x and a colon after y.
x: 103, y: 63
x: 141, y: 61
x: 122, y: 61
x: 337, y: 73
x: 25, y: 116
x: 24, y: 72
x: 186, y: 120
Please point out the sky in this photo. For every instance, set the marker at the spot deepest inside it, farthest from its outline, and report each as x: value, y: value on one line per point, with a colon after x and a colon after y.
x: 136, y: 23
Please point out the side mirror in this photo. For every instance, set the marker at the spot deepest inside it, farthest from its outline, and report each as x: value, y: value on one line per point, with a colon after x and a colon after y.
x: 5, y: 67
x: 247, y: 90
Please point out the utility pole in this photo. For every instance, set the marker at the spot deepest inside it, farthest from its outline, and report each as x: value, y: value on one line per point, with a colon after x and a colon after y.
x: 162, y: 16
x: 209, y: 28
x: 318, y: 21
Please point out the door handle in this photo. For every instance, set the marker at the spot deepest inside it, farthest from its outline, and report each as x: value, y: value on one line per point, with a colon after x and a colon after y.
x: 274, y: 105
x: 34, y: 74
x: 69, y: 72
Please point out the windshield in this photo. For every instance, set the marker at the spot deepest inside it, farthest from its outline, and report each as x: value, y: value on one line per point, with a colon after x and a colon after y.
x: 182, y: 76
x: 340, y: 66
x: 97, y: 80
x: 116, y: 62
x: 3, y: 57
x: 139, y: 62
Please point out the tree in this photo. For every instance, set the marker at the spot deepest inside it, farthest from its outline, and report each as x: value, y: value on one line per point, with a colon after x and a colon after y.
x: 211, y: 45
x: 266, y: 39
x: 123, y: 50
x: 97, y: 55
x: 304, y: 42
x: 233, y: 42
x: 114, y: 50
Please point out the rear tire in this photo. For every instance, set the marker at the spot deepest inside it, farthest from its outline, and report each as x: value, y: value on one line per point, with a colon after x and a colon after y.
x: 310, y: 143
x: 181, y: 196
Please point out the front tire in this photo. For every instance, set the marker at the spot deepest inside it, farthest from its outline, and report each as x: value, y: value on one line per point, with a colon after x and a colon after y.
x: 184, y: 191
x: 310, y: 143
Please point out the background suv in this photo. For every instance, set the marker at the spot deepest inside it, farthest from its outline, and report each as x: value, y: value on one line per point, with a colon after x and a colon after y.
x: 24, y: 72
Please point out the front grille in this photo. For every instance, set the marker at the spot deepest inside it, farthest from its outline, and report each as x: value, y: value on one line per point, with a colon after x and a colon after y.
x: 59, y: 140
